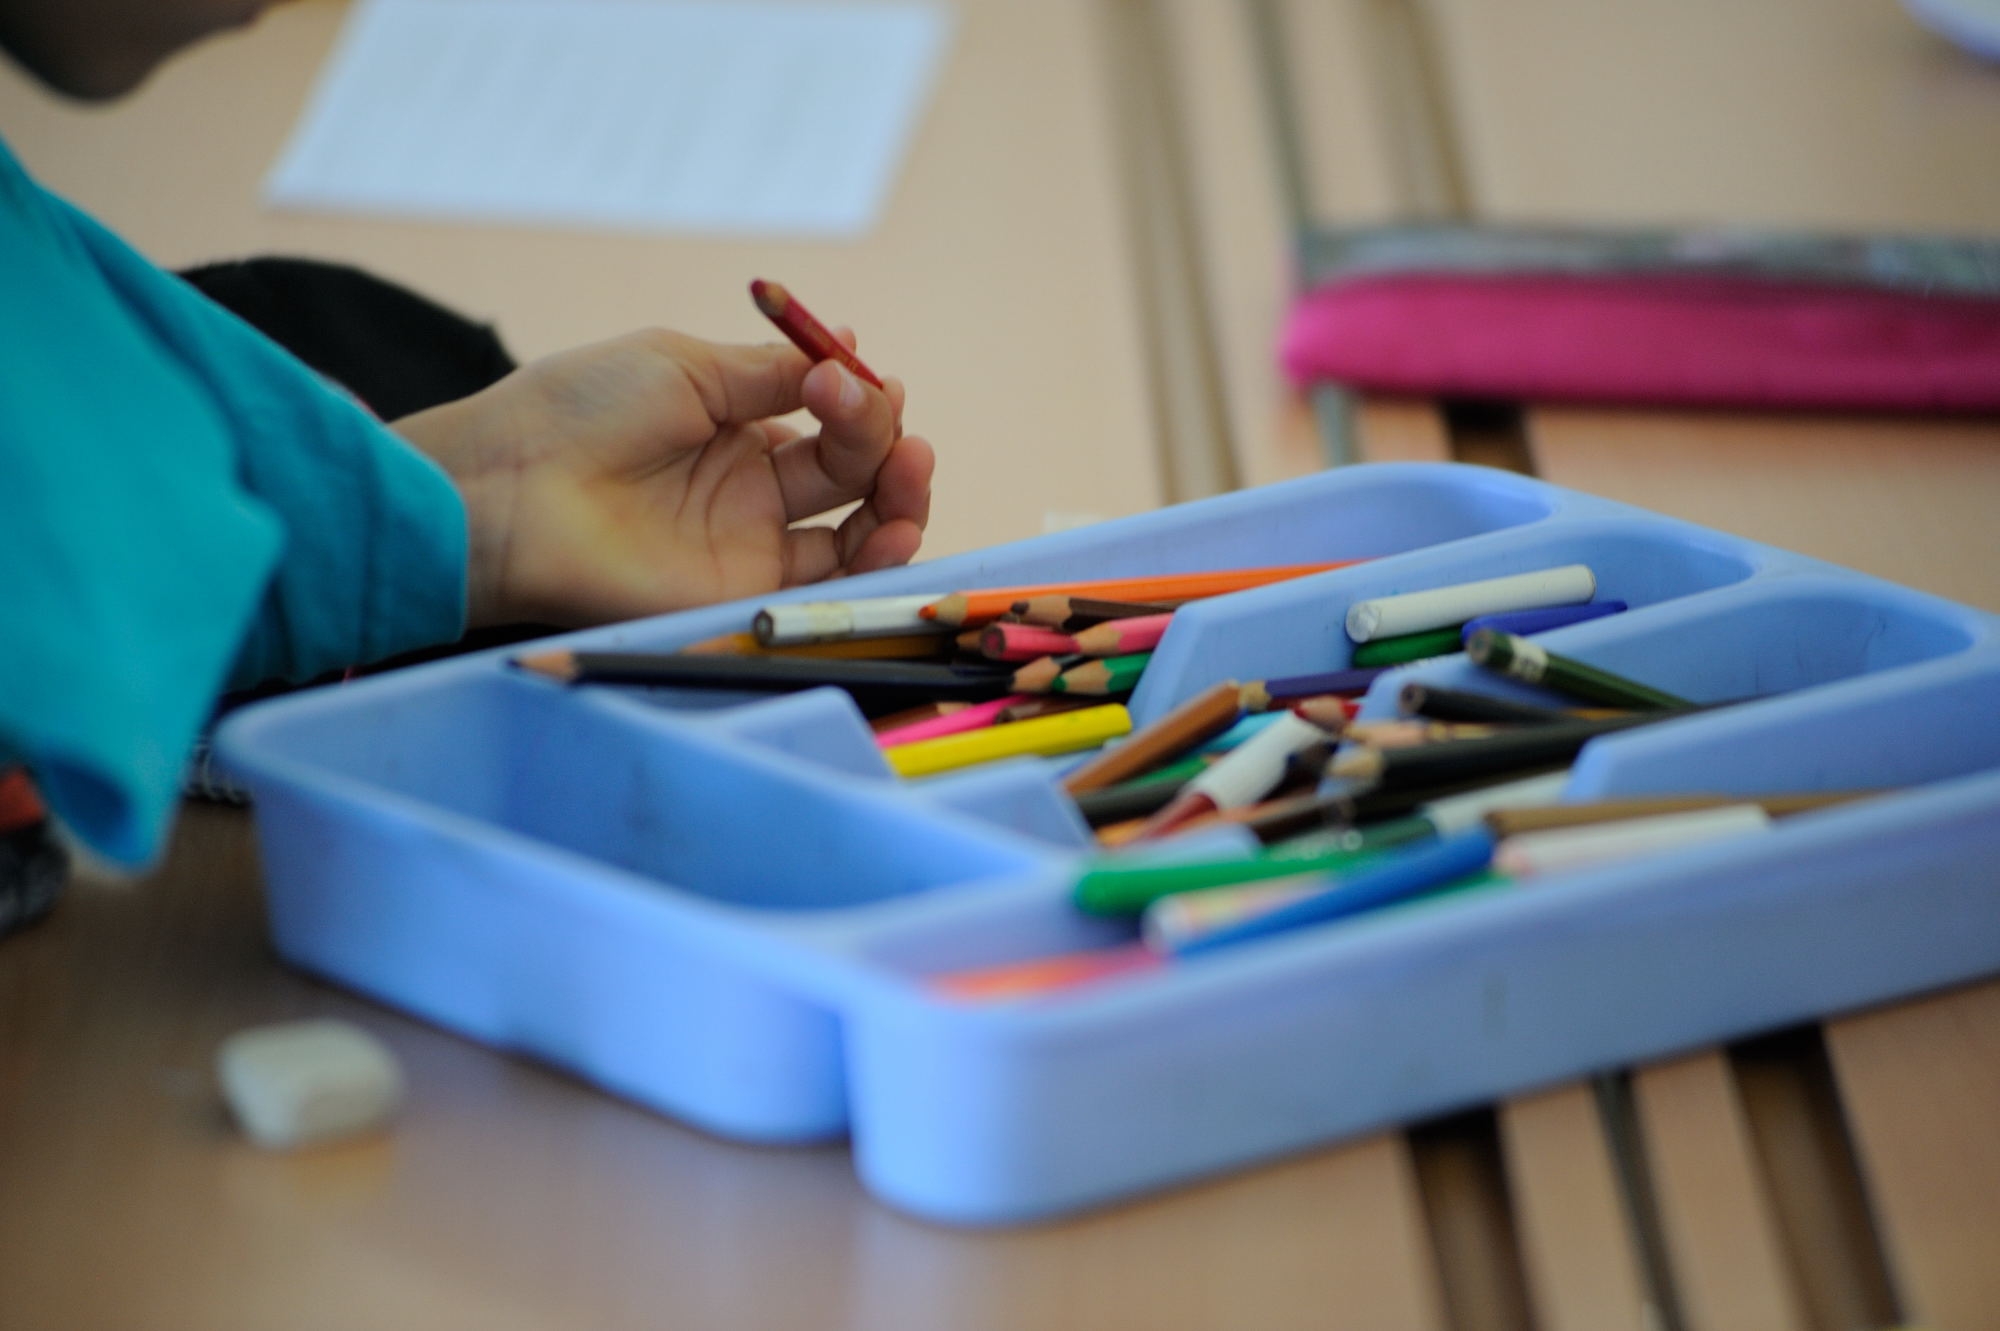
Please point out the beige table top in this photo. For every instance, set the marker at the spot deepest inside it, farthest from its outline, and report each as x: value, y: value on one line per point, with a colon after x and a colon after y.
x: 996, y: 285
x: 1835, y: 1176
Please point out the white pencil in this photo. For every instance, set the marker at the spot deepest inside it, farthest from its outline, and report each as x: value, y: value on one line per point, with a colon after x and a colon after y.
x: 1441, y: 607
x: 1599, y: 843
x: 1455, y: 813
x: 831, y: 621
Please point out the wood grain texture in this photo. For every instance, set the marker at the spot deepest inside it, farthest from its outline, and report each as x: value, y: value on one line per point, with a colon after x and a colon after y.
x: 1576, y: 1244
x: 1724, y: 1250
x: 1907, y: 499
x: 999, y: 284
x: 1822, y: 113
x: 508, y: 1196
x: 1921, y: 1086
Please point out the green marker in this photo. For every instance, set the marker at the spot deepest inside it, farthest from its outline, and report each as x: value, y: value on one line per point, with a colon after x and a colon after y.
x: 1405, y: 647
x: 1531, y: 663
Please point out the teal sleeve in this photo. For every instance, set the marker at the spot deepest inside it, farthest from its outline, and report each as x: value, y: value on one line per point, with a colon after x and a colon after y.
x: 182, y: 505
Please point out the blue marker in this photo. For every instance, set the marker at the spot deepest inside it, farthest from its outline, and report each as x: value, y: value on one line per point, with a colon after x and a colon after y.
x: 1397, y: 877
x: 1523, y: 622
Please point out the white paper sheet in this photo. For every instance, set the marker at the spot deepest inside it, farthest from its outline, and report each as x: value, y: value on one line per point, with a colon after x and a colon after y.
x: 764, y: 117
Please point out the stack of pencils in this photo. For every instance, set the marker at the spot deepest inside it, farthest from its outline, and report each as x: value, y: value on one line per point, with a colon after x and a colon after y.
x: 1463, y: 793
x: 948, y: 678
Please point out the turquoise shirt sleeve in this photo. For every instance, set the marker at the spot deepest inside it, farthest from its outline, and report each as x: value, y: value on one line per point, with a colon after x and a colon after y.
x: 183, y: 506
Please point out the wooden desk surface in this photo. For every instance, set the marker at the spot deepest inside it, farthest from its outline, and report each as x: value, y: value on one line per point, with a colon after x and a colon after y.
x: 1831, y: 1177
x: 998, y: 284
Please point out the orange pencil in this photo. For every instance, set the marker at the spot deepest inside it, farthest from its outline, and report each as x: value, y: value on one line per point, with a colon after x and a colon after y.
x: 964, y: 609
x: 806, y: 333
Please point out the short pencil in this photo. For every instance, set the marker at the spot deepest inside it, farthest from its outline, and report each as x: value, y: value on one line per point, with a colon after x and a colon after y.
x: 805, y: 332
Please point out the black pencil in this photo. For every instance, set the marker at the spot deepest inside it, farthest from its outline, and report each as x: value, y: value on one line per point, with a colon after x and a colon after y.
x: 1462, y: 705
x: 877, y: 686
x: 1465, y: 759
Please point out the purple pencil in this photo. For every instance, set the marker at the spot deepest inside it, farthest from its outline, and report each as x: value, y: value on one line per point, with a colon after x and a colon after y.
x: 1261, y: 695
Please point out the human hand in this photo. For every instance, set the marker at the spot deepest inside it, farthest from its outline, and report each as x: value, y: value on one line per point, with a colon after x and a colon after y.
x: 644, y: 474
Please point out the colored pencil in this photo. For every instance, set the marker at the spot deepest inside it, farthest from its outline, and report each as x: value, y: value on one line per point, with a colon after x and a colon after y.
x: 1044, y: 736
x: 1044, y: 704
x: 1409, y: 872
x: 1405, y: 734
x: 1247, y: 725
x: 1114, y: 885
x: 1244, y: 776
x: 902, y: 647
x: 1128, y: 800
x: 1413, y: 612
x: 1560, y: 848
x: 1206, y: 714
x: 1511, y: 820
x: 1455, y: 813
x: 806, y: 333
x: 979, y: 607
x: 1042, y: 975
x: 1526, y: 622
x: 877, y: 686
x: 1261, y: 694
x: 1023, y: 642
x: 1117, y: 637
x: 1469, y: 759
x: 1071, y: 613
x: 975, y: 716
x: 1407, y: 647
x: 1329, y: 711
x: 1173, y: 924
x: 1440, y: 704
x: 1531, y: 663
x: 911, y: 715
x: 1040, y: 676
x: 794, y: 622
x: 1111, y: 674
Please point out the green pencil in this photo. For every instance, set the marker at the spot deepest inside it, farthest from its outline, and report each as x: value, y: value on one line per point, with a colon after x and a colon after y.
x: 1113, y: 674
x: 1115, y: 888
x: 1408, y: 647
x: 1517, y: 658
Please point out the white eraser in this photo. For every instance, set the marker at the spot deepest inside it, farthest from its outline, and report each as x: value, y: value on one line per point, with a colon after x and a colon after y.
x: 307, y: 1081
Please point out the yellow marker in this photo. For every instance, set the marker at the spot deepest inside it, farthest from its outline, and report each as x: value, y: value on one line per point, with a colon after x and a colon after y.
x: 1064, y: 732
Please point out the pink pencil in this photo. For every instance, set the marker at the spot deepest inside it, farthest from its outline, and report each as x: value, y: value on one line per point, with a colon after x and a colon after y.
x: 1022, y: 642
x: 975, y: 717
x: 1118, y: 637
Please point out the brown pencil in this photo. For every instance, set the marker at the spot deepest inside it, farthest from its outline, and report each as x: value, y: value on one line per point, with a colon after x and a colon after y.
x: 1201, y: 717
x: 1506, y: 822
x: 1071, y: 613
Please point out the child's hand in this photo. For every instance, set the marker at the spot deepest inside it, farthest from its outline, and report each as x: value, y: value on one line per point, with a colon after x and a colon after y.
x: 643, y: 475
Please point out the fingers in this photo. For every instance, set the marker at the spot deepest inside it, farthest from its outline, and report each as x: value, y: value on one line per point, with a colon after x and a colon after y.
x: 857, y: 431
x: 885, y: 531
x: 737, y: 384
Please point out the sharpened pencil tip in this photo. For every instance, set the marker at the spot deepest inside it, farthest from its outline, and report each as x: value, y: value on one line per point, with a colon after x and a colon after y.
x: 556, y: 665
x: 770, y: 297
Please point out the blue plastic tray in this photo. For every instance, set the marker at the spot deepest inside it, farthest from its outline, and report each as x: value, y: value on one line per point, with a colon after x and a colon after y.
x: 723, y: 906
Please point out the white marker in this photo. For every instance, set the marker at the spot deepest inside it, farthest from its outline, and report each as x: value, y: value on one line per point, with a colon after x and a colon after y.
x: 1440, y: 607
x: 831, y: 621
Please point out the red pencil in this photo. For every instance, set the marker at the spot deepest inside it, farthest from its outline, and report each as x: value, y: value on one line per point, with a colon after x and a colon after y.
x: 808, y: 334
